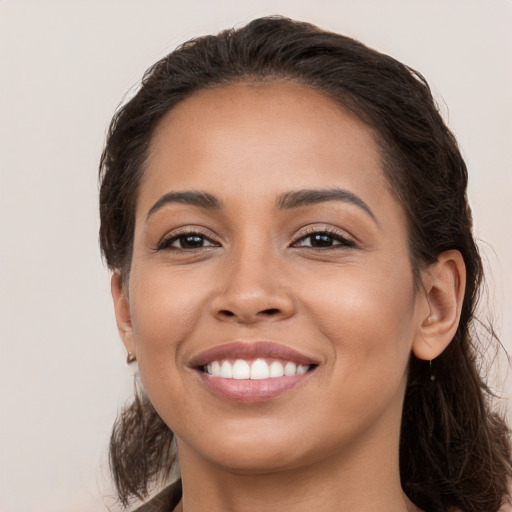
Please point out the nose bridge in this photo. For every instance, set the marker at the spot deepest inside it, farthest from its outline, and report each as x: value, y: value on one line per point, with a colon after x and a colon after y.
x: 252, y: 285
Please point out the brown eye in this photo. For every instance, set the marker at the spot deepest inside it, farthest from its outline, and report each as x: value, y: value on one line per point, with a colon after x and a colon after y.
x: 323, y: 239
x: 187, y: 241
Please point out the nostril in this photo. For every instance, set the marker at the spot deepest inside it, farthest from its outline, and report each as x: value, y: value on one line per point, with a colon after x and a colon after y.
x: 270, y: 311
x: 249, y: 315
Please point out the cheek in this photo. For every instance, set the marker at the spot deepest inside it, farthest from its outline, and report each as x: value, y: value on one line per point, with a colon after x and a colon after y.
x: 369, y: 331
x: 368, y: 319
x: 165, y: 308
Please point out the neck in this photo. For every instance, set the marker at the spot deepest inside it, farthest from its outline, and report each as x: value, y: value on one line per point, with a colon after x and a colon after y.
x: 340, y: 483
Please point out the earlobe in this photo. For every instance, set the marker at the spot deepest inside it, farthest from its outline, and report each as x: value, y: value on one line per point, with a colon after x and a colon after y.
x: 122, y: 312
x: 444, y: 285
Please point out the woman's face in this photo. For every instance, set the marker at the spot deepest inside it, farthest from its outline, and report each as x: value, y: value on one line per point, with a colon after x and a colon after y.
x: 266, y: 231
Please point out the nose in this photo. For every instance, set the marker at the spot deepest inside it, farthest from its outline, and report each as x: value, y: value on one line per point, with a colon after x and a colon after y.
x: 253, y: 289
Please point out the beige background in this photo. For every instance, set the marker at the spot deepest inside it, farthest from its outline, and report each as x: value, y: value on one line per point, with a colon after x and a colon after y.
x: 64, y: 66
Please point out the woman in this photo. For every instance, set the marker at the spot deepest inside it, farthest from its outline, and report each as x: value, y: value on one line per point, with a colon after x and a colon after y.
x: 285, y: 215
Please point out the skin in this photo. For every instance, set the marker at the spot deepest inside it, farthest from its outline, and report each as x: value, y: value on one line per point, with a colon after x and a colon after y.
x: 330, y: 443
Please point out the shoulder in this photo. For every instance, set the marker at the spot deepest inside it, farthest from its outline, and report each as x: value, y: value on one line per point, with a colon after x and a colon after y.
x: 164, y: 501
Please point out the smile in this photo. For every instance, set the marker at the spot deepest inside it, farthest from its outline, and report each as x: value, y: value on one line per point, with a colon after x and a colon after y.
x: 258, y: 369
x: 252, y: 371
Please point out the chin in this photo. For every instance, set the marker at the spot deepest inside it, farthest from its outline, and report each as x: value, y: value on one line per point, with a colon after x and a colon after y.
x: 249, y: 450
x: 256, y: 461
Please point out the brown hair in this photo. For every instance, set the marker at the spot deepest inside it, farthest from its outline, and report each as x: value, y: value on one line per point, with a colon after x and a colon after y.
x: 454, y: 451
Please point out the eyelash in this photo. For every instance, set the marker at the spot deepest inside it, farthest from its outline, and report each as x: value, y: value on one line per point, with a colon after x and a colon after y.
x: 166, y: 243
x: 344, y: 241
x: 335, y: 236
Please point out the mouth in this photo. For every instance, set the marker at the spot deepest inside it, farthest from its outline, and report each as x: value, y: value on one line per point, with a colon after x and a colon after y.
x: 258, y: 369
x: 252, y: 372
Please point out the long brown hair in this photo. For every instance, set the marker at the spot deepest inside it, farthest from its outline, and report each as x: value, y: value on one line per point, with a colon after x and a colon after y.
x: 454, y: 450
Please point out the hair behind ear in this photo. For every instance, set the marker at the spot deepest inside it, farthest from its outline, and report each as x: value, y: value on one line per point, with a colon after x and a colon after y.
x: 449, y: 429
x: 142, y: 451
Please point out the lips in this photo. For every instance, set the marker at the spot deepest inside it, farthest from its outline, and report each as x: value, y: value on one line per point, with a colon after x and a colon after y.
x: 250, y: 351
x: 252, y: 372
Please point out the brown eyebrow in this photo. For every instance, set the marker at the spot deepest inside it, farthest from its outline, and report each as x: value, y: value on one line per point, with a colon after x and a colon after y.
x: 308, y: 197
x: 194, y: 198
x: 286, y: 201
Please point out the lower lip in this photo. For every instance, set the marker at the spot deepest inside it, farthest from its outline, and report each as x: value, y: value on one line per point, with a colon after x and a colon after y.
x: 251, y: 391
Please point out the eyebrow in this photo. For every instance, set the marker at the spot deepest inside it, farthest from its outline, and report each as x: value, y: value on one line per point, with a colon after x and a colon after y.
x: 287, y: 201
x: 194, y: 198
x: 308, y: 197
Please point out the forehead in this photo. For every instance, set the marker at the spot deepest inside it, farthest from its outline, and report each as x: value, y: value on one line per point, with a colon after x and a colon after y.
x: 259, y: 139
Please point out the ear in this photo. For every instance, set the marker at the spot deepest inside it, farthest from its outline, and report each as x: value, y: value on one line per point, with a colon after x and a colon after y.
x: 122, y: 312
x: 444, y: 284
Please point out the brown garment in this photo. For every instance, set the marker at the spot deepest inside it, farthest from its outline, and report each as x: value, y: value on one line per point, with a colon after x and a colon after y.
x: 164, y: 501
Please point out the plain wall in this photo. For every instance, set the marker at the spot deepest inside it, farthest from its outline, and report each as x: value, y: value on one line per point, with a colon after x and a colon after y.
x: 64, y: 67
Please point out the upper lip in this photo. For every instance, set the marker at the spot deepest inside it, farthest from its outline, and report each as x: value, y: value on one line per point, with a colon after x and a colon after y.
x: 250, y: 350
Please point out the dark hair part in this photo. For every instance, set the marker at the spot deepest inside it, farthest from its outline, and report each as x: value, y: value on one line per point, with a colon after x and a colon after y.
x: 454, y: 451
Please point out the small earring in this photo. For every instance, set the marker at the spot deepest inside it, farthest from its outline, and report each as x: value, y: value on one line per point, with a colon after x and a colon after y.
x: 428, y: 320
x: 130, y: 358
x: 432, y: 376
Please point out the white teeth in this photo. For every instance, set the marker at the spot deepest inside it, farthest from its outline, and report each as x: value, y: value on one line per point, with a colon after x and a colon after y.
x: 215, y: 370
x: 276, y: 369
x: 241, y: 369
x: 226, y: 370
x: 258, y: 370
x: 290, y: 369
x: 301, y: 369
